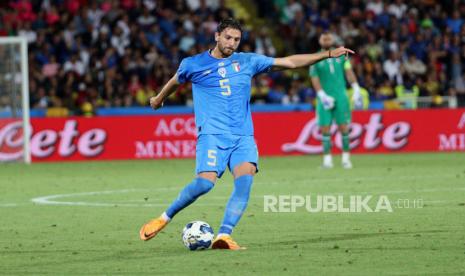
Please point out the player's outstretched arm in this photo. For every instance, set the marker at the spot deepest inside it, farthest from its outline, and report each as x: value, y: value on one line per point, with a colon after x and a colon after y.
x: 169, y: 88
x: 356, y: 95
x: 296, y: 61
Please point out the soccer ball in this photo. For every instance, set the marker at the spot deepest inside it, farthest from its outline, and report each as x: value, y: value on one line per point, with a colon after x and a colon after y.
x: 197, y: 235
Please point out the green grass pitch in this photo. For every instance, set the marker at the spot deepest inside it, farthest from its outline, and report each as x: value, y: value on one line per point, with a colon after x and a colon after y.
x: 107, y: 202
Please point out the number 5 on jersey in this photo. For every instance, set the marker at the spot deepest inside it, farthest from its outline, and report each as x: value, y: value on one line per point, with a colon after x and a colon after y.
x: 224, y: 84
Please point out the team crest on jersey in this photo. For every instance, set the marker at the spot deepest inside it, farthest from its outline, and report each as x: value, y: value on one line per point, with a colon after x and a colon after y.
x: 236, y: 66
x: 222, y: 72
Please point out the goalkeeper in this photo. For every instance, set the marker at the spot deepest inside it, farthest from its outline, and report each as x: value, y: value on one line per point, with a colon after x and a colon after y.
x: 332, y: 101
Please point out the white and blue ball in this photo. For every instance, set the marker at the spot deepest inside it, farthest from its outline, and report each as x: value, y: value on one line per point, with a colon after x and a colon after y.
x: 197, y: 235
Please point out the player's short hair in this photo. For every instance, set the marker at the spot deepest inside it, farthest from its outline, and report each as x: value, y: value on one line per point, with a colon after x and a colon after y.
x: 229, y: 23
x: 326, y: 32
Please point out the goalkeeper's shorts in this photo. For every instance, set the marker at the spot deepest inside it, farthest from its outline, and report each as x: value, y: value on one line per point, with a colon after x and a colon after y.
x: 340, y: 113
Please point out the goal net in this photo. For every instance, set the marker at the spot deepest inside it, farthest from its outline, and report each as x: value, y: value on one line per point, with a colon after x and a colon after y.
x: 14, y: 100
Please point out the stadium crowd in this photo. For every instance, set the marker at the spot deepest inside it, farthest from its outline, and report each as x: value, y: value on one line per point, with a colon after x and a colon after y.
x: 108, y: 53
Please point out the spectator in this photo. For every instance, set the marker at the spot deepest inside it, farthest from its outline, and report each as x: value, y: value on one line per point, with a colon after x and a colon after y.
x: 407, y: 93
x: 145, y: 20
x: 74, y: 65
x: 264, y: 44
x: 119, y: 40
x: 134, y: 85
x: 456, y: 66
x: 414, y: 66
x: 455, y: 22
x: 27, y: 32
x: 385, y: 91
x: 293, y: 97
x: 42, y: 101
x: 397, y: 9
x: 373, y: 48
x: 260, y: 89
x: 50, y: 69
x: 291, y: 9
x: 277, y: 94
x: 432, y: 85
x: 52, y: 17
x: 375, y: 6
x: 458, y: 90
x: 392, y: 68
x: 223, y: 12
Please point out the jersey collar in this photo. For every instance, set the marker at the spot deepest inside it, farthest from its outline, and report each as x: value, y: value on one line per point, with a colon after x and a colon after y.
x: 210, y: 55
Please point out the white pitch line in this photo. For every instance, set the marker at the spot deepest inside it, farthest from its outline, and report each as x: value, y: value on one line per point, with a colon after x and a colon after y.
x: 52, y: 199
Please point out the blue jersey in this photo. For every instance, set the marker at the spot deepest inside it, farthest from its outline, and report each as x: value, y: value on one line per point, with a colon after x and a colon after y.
x: 221, y: 90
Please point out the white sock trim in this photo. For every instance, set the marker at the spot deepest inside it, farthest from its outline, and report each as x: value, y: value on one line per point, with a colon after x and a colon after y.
x: 165, y: 217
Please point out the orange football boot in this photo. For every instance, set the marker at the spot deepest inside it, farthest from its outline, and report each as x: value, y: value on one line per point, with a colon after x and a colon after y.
x: 152, y: 228
x: 226, y: 242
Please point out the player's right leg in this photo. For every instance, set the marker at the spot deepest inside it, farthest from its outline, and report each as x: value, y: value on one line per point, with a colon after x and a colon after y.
x: 325, y: 118
x: 202, y: 184
x: 343, y: 118
x: 209, y: 165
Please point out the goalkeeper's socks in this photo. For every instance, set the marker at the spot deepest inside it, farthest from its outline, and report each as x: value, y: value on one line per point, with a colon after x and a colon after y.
x: 326, y: 143
x: 236, y: 204
x: 188, y: 195
x: 345, y: 157
x: 345, y: 142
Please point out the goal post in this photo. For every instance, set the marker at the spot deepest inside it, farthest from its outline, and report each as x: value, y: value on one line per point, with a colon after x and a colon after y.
x: 14, y: 76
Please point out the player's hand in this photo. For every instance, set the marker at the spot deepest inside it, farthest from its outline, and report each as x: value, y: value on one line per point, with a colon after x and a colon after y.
x: 356, y: 96
x: 156, y: 102
x: 341, y: 51
x: 326, y: 101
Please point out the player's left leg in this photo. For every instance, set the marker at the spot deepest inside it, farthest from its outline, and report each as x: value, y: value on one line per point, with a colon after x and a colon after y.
x: 243, y: 163
x: 345, y: 160
x: 343, y: 119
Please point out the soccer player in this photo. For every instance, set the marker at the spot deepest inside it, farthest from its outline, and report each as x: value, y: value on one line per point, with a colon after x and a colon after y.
x: 332, y: 101
x: 221, y: 81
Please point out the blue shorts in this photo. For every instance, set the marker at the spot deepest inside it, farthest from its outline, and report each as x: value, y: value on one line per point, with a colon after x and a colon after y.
x: 216, y: 152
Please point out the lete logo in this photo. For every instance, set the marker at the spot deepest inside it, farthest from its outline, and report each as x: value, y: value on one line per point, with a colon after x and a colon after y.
x: 10, y: 140
x: 45, y: 142
x: 394, y: 137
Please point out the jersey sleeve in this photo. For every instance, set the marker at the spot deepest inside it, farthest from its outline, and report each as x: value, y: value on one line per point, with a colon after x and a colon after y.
x: 312, y: 72
x: 183, y: 72
x: 261, y: 63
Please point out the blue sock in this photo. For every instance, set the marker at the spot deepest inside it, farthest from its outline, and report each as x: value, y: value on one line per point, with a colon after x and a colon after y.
x: 236, y: 204
x: 189, y: 194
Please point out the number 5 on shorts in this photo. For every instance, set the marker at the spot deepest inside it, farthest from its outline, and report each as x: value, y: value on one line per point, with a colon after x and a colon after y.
x: 211, y: 157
